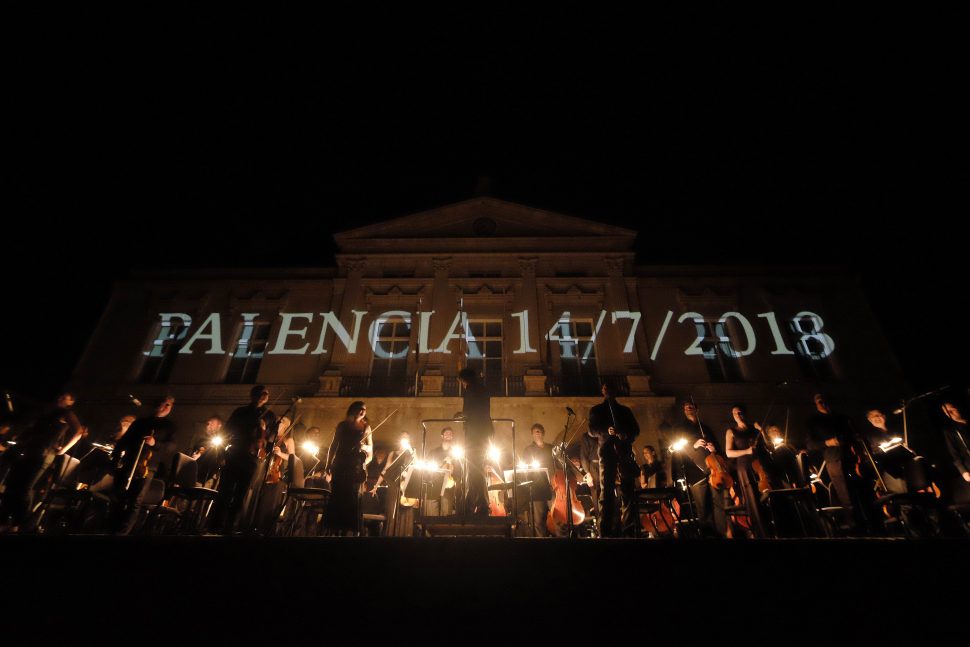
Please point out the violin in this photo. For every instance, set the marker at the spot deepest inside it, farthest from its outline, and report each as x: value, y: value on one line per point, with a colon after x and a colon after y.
x: 758, y: 459
x: 720, y: 477
x: 365, y: 451
x: 274, y: 471
x: 268, y: 426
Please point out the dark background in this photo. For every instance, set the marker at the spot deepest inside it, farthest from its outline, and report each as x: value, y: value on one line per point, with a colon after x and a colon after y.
x: 141, y: 141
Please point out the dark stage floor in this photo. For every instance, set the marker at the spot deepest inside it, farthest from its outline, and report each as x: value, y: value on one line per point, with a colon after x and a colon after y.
x: 184, y: 590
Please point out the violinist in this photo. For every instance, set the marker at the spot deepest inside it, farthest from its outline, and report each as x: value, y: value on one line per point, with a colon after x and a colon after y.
x: 710, y: 502
x: 652, y: 473
x: 346, y: 465
x: 589, y: 458
x: 900, y: 468
x: 53, y: 434
x: 443, y: 458
x: 957, y: 438
x: 207, y: 450
x: 616, y: 428
x: 271, y: 493
x: 741, y: 443
x: 398, y: 512
x: 246, y: 428
x: 95, y: 468
x: 831, y: 438
x: 146, y: 450
x: 539, y: 454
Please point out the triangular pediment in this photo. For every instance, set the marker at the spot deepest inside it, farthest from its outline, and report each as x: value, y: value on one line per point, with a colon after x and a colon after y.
x: 480, y: 223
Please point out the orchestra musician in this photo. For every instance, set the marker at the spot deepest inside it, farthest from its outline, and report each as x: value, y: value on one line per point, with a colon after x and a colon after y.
x: 143, y: 455
x: 831, y: 437
x: 901, y: 469
x: 443, y: 458
x: 53, y: 434
x: 267, y: 507
x: 741, y: 443
x: 956, y: 437
x: 95, y: 468
x: 539, y: 454
x: 784, y: 457
x: 616, y: 428
x: 206, y: 450
x: 399, y: 512
x: 652, y: 473
x: 710, y: 502
x: 246, y: 428
x: 310, y: 451
x: 589, y: 458
x: 346, y: 465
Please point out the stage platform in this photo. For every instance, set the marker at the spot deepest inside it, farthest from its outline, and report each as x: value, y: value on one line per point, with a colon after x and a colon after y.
x: 188, y: 588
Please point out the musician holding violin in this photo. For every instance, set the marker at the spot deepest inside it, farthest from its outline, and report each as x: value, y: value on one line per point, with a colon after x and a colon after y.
x: 53, y: 434
x: 267, y: 506
x: 708, y: 492
x: 246, y: 428
x: 142, y: 454
x: 743, y: 443
x: 349, y: 454
x: 443, y: 457
x: 617, y: 428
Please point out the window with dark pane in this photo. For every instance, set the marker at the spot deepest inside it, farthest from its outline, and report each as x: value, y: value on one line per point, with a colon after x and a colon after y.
x: 248, y: 354
x: 390, y: 352
x: 577, y: 357
x: 483, y: 351
x: 161, y: 358
x: 721, y: 365
x: 809, y: 352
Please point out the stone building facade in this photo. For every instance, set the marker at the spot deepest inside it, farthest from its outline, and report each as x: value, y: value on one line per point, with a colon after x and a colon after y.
x: 545, y: 306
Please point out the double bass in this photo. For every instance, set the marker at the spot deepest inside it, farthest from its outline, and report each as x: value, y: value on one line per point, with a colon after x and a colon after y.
x: 565, y: 499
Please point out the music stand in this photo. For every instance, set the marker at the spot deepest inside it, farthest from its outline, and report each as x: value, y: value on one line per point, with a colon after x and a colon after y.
x: 393, y: 471
x: 393, y: 474
x: 536, y: 479
x: 427, y: 487
x: 424, y: 445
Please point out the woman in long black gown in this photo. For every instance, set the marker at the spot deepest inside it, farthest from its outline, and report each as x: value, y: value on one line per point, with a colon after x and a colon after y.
x: 740, y: 442
x: 345, y: 469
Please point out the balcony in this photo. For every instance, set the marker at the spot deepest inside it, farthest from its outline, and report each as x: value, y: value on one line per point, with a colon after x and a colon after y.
x: 360, y: 386
x: 586, y: 385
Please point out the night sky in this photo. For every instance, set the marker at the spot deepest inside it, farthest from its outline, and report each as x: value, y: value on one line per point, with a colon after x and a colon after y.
x: 139, y: 143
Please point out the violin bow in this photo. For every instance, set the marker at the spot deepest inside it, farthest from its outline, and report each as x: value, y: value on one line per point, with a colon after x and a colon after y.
x: 386, y: 418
